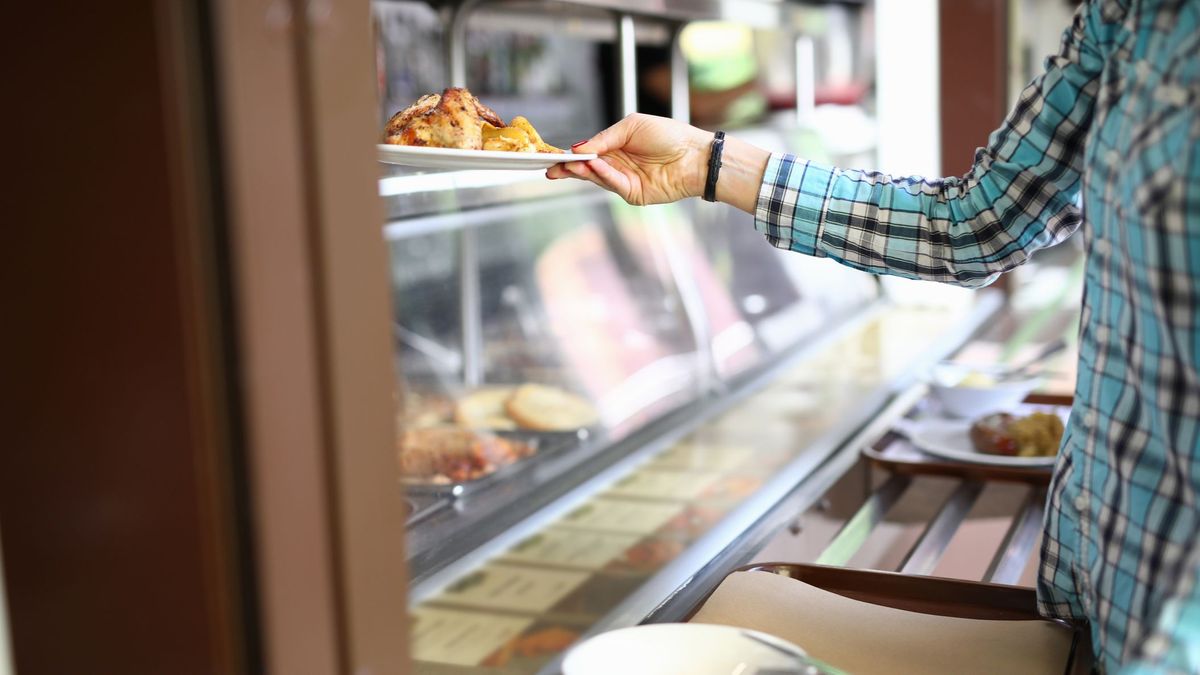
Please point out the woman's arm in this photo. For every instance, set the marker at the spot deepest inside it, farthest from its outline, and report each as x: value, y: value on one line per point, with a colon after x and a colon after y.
x: 1018, y: 197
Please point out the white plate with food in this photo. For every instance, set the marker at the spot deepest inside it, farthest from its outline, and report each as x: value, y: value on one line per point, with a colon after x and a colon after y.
x: 990, y: 440
x: 455, y: 130
x: 452, y: 158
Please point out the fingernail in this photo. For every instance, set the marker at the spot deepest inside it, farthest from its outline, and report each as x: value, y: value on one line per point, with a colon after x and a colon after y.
x: 576, y: 144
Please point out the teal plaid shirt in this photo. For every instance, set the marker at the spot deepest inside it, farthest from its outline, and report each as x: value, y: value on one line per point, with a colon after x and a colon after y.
x: 1112, y: 124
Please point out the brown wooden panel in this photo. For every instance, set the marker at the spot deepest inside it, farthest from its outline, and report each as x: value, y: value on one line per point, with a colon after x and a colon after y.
x: 118, y: 556
x: 973, y: 51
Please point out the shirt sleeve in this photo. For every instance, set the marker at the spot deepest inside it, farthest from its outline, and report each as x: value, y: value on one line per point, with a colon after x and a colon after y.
x: 1019, y: 196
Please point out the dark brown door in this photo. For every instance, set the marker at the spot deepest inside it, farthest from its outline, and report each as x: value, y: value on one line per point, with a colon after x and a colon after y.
x: 119, y: 479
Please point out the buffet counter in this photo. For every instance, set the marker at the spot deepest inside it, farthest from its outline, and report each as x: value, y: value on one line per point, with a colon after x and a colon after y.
x: 648, y: 536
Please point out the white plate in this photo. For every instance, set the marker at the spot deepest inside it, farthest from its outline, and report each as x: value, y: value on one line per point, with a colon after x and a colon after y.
x: 453, y: 158
x: 951, y: 439
x: 691, y: 648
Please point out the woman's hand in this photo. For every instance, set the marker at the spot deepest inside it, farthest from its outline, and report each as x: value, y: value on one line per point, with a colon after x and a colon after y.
x: 654, y: 160
x: 644, y: 159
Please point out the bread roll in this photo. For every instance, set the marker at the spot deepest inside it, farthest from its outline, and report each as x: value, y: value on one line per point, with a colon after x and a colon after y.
x: 544, y: 408
x: 485, y: 409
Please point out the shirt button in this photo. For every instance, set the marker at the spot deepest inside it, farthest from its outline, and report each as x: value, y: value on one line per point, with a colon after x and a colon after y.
x: 1089, y: 418
x: 1102, y: 247
x: 1081, y: 502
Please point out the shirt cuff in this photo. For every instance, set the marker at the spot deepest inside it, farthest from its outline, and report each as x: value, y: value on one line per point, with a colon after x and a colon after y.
x: 791, y: 203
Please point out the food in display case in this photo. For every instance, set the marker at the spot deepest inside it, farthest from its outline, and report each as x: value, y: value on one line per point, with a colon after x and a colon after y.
x: 1035, y: 435
x: 535, y: 407
x: 530, y: 407
x: 457, y: 119
x: 545, y: 408
x: 485, y: 409
x: 446, y: 455
x: 425, y: 410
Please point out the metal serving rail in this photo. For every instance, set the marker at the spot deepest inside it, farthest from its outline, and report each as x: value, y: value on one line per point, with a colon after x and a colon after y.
x: 1007, y: 564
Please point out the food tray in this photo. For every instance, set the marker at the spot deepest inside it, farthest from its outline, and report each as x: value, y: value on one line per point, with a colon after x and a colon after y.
x: 420, y: 507
x: 545, y: 445
x: 929, y: 595
x: 895, y: 453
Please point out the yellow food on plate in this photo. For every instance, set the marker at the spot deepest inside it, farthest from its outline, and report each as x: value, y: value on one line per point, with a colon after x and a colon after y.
x: 1037, y: 435
x: 484, y: 409
x: 508, y: 139
x: 523, y: 124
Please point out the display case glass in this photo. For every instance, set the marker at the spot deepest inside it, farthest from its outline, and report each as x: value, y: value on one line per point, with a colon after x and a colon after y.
x: 596, y: 401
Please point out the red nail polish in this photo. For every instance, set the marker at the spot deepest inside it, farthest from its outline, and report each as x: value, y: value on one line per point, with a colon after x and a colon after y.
x: 576, y: 144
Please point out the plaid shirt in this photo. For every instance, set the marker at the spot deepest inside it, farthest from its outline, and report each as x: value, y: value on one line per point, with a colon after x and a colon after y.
x: 1114, y: 120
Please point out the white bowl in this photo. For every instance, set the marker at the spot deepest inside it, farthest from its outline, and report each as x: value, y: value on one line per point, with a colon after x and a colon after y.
x: 692, y: 648
x: 967, y: 401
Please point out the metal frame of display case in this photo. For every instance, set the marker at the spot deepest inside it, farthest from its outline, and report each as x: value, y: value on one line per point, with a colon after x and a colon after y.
x: 426, y: 193
x: 453, y: 534
x: 456, y: 60
x: 437, y: 554
x: 796, y: 485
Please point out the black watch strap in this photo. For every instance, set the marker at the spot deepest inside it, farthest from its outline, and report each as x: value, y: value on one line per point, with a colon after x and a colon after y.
x: 714, y: 166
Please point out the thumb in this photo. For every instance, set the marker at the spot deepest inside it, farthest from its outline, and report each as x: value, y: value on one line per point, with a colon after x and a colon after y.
x: 612, y: 138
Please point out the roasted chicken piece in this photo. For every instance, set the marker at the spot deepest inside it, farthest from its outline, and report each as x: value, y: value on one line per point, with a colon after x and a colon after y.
x: 452, y: 120
x: 401, y: 119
